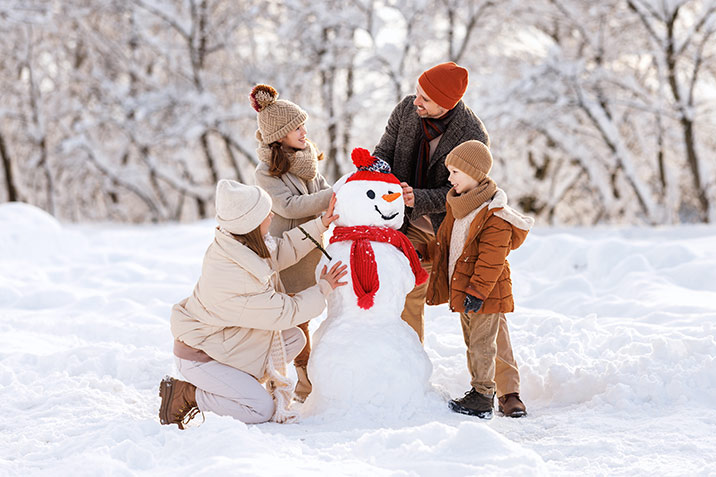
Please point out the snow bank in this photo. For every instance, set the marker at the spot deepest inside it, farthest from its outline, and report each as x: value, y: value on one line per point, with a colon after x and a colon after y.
x: 614, y: 333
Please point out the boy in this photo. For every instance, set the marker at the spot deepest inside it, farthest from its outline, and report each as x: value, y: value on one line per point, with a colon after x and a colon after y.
x: 471, y: 272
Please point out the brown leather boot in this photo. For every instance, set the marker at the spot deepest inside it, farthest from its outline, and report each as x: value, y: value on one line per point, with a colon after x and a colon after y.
x: 178, y: 402
x: 510, y: 405
x: 303, y: 386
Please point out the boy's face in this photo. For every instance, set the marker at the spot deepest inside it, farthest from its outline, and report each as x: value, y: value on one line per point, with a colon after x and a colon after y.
x: 461, y: 181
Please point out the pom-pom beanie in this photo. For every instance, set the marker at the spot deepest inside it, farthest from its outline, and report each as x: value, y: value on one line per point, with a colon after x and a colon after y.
x: 276, y: 117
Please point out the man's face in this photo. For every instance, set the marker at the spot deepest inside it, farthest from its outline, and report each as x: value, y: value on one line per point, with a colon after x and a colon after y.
x: 426, y: 107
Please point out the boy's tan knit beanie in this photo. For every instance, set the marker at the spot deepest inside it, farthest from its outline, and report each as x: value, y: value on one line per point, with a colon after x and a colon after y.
x: 276, y: 117
x: 471, y: 157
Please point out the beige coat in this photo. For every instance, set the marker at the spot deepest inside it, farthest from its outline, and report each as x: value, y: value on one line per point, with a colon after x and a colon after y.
x: 295, y: 202
x: 238, y: 302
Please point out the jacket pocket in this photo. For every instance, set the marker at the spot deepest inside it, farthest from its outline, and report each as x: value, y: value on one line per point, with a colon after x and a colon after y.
x: 469, y: 259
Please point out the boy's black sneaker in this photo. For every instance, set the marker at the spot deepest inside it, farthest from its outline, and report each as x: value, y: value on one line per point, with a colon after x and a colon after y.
x: 474, y: 404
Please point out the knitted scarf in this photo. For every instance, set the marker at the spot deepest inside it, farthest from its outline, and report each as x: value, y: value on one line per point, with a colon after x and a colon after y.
x: 364, y: 270
x: 463, y: 204
x: 431, y: 128
x: 304, y: 162
x: 277, y: 383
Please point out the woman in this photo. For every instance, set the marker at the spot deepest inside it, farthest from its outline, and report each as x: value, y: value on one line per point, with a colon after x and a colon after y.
x: 288, y: 171
x: 238, y: 328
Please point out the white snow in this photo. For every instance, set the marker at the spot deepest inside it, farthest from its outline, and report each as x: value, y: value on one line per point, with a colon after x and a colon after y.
x: 614, y: 333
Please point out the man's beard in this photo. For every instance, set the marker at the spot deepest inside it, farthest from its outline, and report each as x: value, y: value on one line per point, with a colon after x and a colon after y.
x: 426, y: 115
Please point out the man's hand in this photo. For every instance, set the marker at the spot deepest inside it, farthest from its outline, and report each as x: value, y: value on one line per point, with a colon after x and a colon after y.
x: 472, y: 304
x: 408, y: 195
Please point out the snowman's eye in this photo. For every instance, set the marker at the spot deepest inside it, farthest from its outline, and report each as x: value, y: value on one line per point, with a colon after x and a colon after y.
x: 370, y: 194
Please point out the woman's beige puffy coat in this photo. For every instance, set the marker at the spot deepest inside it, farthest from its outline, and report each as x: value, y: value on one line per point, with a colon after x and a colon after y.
x: 238, y: 302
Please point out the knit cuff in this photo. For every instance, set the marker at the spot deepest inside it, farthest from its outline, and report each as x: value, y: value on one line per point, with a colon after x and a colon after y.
x: 325, y: 287
x: 319, y: 223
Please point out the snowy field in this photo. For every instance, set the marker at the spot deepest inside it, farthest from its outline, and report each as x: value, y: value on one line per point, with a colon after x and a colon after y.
x: 614, y: 332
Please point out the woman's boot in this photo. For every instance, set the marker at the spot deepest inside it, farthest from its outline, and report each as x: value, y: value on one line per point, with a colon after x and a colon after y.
x: 303, y: 386
x: 178, y: 402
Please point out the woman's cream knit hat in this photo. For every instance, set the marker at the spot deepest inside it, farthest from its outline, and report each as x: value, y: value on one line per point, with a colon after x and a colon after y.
x: 276, y: 117
x: 240, y: 208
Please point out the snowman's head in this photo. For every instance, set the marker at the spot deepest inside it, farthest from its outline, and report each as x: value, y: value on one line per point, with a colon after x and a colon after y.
x: 369, y: 196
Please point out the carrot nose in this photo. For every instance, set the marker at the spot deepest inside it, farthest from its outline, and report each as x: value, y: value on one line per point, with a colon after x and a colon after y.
x: 391, y: 197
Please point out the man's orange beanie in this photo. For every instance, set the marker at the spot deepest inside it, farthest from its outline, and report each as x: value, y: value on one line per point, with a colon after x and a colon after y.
x: 445, y: 84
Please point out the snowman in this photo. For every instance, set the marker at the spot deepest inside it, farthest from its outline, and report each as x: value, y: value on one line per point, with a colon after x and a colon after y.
x: 365, y: 359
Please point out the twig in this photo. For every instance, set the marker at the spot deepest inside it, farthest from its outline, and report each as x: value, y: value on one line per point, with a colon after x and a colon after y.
x: 318, y: 245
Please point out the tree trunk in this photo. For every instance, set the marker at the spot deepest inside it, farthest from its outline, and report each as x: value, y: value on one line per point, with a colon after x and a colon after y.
x: 34, y: 93
x: 687, y: 124
x: 211, y: 164
x: 234, y: 161
x: 12, y: 195
x: 348, y: 120
x: 328, y: 87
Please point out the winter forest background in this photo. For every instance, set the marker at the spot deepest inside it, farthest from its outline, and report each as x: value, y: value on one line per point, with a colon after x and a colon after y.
x: 131, y: 110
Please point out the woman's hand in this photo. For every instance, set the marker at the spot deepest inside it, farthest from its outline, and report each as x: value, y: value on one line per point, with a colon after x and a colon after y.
x: 332, y: 276
x: 328, y: 217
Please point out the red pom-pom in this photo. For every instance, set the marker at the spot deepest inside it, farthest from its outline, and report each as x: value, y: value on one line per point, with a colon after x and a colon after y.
x: 361, y: 157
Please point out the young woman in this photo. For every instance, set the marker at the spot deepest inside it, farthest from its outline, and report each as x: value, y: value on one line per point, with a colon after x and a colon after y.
x: 238, y: 328
x: 288, y: 171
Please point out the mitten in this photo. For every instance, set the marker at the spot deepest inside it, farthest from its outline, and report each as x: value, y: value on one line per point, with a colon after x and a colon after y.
x: 472, y: 304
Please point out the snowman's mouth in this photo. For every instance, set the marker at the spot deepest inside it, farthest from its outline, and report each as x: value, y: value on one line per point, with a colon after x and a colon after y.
x: 386, y: 217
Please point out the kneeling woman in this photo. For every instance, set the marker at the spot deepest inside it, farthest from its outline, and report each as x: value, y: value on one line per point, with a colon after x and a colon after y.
x: 238, y: 328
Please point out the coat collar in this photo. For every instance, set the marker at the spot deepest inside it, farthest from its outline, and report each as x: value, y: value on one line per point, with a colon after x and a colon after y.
x: 499, y: 201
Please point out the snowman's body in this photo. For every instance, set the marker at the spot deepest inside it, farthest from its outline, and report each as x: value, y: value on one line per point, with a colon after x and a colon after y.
x: 368, y: 360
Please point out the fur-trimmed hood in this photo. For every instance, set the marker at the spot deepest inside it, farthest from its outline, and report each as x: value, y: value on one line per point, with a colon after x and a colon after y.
x: 514, y: 217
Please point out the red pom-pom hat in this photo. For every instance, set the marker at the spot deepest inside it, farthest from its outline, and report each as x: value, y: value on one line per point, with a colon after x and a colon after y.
x: 370, y: 168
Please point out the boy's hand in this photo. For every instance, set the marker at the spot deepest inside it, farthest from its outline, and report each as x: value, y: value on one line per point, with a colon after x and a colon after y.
x: 472, y: 304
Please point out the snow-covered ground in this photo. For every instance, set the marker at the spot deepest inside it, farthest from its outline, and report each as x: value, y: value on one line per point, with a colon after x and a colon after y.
x: 614, y: 332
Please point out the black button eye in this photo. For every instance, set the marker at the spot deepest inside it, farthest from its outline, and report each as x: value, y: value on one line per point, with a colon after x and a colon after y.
x: 390, y: 192
x: 370, y: 194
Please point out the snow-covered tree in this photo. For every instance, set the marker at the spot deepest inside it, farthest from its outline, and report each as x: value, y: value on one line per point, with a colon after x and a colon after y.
x: 132, y: 110
x: 592, y: 93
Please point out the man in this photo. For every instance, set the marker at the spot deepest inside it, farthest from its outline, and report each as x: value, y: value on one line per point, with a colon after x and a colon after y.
x: 421, y: 131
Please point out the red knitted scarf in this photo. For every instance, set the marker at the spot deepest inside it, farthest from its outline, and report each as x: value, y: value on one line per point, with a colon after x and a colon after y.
x: 364, y: 270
